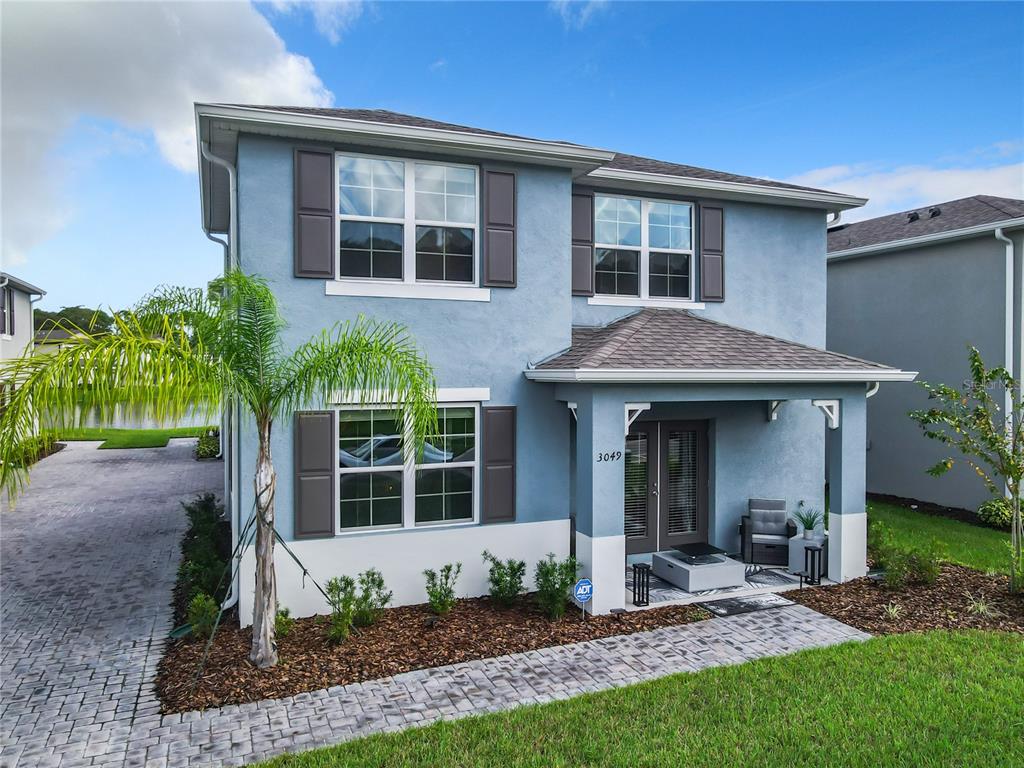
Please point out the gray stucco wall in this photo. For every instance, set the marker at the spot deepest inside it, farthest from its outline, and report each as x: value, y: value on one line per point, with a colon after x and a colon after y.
x: 919, y: 310
x: 775, y: 283
x: 14, y: 346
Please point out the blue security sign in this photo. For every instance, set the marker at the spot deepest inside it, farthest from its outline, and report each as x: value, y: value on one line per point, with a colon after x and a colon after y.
x: 583, y: 591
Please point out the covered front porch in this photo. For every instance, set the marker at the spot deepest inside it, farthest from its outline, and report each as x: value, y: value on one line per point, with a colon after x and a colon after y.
x: 670, y: 455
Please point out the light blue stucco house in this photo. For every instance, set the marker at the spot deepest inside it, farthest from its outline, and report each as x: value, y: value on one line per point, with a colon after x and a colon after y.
x: 627, y: 350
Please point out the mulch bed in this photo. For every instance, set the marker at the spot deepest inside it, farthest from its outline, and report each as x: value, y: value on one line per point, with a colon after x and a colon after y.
x: 404, y: 639
x: 935, y: 510
x: 861, y: 603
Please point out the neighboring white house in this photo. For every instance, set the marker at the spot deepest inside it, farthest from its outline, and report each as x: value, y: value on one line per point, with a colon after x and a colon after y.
x: 17, y: 299
x: 914, y: 289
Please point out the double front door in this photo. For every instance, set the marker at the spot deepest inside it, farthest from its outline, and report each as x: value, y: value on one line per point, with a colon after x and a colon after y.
x: 666, y: 502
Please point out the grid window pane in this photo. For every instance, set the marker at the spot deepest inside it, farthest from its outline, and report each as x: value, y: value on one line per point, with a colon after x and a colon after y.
x: 444, y: 253
x: 371, y: 187
x: 444, y: 494
x: 669, y: 225
x: 445, y: 193
x: 670, y: 275
x: 617, y: 220
x: 371, y: 249
x: 369, y: 439
x: 456, y: 440
x: 617, y: 272
x: 371, y: 499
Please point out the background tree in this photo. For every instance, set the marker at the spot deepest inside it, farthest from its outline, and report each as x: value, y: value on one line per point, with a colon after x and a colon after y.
x: 974, y: 421
x: 77, y: 317
x: 182, y: 348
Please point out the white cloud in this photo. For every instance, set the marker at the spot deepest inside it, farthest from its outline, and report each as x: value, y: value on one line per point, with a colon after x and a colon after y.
x: 898, y: 188
x: 331, y: 17
x: 138, y: 65
x: 576, y: 14
x: 438, y: 66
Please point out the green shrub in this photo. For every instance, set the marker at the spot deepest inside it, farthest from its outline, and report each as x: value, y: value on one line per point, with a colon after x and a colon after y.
x: 506, y: 578
x: 341, y: 595
x: 208, y: 445
x: 997, y: 512
x: 202, y: 615
x: 205, y: 549
x: 283, y: 622
x: 441, y: 587
x: 554, y: 579
x: 30, y: 451
x: 904, y: 564
x: 372, y: 599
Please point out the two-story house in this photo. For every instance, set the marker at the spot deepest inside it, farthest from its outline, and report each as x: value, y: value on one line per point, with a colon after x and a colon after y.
x: 627, y: 350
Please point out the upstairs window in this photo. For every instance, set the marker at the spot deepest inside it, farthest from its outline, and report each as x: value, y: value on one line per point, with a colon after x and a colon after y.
x: 643, y: 248
x: 406, y: 221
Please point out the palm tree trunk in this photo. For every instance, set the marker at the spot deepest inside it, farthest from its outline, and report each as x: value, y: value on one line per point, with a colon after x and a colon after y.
x: 264, y: 645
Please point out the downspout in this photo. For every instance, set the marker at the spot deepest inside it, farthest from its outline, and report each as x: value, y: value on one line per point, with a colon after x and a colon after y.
x: 1008, y: 327
x: 230, y: 262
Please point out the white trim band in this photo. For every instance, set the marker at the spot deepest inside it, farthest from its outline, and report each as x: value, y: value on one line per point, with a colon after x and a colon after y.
x: 399, y: 290
x: 633, y: 301
x: 716, y: 376
x: 913, y: 242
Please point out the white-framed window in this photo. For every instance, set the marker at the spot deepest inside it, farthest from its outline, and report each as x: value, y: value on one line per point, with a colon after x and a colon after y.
x: 407, y: 221
x: 382, y: 483
x: 643, y: 248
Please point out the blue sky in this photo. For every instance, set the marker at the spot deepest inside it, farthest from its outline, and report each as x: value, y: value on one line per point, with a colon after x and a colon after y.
x: 905, y: 103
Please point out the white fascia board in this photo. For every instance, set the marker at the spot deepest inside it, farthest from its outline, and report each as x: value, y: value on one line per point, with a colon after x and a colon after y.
x: 914, y: 242
x: 714, y: 376
x: 832, y: 201
x: 385, y: 134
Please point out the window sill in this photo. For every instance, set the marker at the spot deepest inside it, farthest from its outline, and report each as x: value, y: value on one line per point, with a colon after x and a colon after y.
x: 407, y: 290
x: 632, y: 301
x: 382, y: 530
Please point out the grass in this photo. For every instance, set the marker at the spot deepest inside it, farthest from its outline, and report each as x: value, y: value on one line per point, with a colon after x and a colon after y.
x: 905, y: 700
x: 970, y: 545
x: 132, y: 438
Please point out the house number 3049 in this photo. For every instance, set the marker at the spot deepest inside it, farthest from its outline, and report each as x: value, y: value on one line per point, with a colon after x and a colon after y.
x: 610, y: 456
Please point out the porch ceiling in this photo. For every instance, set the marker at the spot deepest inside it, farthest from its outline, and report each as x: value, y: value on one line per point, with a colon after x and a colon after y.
x: 672, y: 345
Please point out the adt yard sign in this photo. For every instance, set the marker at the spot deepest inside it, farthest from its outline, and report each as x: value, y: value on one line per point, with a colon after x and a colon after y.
x: 583, y: 591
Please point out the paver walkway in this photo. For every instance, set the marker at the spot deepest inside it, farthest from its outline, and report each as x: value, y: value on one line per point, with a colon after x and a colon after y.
x: 81, y: 641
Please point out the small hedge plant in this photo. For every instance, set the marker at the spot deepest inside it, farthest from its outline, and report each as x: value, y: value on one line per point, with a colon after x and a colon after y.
x: 441, y: 587
x: 904, y: 564
x: 283, y: 622
x: 506, y: 578
x: 341, y: 596
x: 202, y: 615
x: 208, y: 445
x: 997, y: 512
x: 373, y: 598
x: 554, y: 579
x: 205, y: 550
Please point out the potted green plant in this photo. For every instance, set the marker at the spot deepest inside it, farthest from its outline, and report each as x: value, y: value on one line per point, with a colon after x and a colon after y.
x: 810, y: 518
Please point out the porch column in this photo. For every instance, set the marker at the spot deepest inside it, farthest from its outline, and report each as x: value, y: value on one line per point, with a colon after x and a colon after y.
x: 600, y: 489
x: 847, y: 528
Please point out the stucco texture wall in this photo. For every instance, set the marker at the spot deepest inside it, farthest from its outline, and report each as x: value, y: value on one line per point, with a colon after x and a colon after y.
x: 918, y: 310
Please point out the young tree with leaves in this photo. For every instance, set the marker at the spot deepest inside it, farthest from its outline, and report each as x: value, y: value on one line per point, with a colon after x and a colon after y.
x: 182, y: 348
x: 983, y: 421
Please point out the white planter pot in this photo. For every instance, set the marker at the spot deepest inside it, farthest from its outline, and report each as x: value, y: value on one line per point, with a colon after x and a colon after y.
x: 808, y: 533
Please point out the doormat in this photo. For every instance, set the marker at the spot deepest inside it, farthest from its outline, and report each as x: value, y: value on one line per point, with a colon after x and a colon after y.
x: 733, y: 606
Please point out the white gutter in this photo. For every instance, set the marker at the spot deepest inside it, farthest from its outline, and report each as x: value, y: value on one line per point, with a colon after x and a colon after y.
x: 232, y: 251
x: 715, y: 376
x: 780, y: 195
x: 938, y: 237
x: 831, y: 224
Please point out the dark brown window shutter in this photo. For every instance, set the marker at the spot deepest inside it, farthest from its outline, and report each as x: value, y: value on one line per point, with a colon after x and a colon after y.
x: 499, y: 229
x: 712, y: 253
x: 5, y: 299
x: 10, y: 310
x: 499, y: 464
x: 314, y: 213
x: 582, y: 243
x: 314, y: 474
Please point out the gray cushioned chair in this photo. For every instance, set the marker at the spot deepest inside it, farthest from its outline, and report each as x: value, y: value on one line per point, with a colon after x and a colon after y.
x: 765, y: 532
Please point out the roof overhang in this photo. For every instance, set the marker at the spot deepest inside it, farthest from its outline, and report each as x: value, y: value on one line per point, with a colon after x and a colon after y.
x: 923, y: 240
x: 729, y: 190
x: 21, y: 285
x: 715, y: 376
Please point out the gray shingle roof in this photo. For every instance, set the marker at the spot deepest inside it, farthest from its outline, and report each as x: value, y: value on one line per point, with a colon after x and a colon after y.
x: 620, y: 161
x: 954, y: 215
x: 677, y: 339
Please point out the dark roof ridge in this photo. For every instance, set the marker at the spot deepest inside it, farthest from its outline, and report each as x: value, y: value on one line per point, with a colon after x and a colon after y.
x: 631, y: 325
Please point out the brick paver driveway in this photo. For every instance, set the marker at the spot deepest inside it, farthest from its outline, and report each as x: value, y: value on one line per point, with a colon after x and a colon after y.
x: 89, y: 560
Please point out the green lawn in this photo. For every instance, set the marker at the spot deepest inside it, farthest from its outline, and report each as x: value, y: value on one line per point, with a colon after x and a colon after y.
x: 131, y: 438
x: 903, y: 700
x: 970, y: 545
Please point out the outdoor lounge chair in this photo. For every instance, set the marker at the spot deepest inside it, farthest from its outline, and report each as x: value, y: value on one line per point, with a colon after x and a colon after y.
x: 765, y: 532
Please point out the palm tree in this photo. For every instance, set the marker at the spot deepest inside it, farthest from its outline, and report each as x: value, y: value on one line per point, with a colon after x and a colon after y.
x: 181, y: 348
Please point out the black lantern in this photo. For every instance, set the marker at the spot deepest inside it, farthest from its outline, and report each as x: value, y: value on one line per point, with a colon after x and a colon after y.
x: 641, y: 584
x: 812, y: 564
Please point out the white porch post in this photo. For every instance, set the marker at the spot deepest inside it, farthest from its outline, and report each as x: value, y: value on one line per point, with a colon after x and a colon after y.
x: 847, y: 533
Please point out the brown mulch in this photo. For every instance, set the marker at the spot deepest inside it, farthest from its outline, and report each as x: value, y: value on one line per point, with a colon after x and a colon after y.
x: 404, y: 639
x: 935, y: 510
x: 861, y: 603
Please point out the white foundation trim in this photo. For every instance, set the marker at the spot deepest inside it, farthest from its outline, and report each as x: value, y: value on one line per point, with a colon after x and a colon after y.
x: 603, y: 561
x: 401, y: 556
x: 847, y: 546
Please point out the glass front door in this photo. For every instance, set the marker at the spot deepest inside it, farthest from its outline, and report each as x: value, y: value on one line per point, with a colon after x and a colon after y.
x: 666, y: 488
